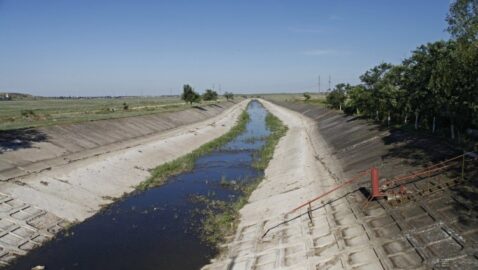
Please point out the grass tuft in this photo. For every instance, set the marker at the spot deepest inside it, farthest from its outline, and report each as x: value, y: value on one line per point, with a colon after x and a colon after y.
x: 277, y: 129
x: 186, y: 163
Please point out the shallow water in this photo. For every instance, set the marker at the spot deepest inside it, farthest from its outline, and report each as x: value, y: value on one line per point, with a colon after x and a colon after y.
x: 157, y: 228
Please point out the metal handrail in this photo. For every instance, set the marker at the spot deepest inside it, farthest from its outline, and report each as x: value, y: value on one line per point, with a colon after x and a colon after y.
x: 351, y: 180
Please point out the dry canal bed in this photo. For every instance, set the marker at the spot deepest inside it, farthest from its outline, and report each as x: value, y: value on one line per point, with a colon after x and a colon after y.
x: 158, y: 228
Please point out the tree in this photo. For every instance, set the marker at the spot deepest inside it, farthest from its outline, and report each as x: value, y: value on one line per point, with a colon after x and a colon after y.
x: 337, y: 97
x: 438, y: 82
x: 463, y: 26
x: 392, y: 96
x: 210, y: 95
x: 229, y: 95
x: 437, y: 74
x: 450, y: 80
x: 306, y: 96
x: 372, y: 76
x: 189, y: 95
x: 358, y: 100
x: 419, y: 69
x: 463, y: 20
x: 371, y: 80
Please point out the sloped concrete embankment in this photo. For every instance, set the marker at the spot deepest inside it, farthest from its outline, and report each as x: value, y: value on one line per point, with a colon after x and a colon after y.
x: 334, y: 237
x: 32, y: 150
x: 102, y: 162
x: 435, y: 231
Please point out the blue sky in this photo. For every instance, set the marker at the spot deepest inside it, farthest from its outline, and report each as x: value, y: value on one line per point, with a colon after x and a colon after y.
x: 92, y: 47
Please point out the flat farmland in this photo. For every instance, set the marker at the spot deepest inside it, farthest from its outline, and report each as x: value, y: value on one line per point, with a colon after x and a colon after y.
x: 27, y: 113
x: 315, y: 98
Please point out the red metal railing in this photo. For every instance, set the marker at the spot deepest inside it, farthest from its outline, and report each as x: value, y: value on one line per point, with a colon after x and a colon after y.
x: 348, y: 182
x: 384, y: 189
x: 379, y: 190
x: 441, y: 166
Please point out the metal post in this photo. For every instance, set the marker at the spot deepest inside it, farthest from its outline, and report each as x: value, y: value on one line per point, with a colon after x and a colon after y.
x: 375, y: 183
x: 309, y: 213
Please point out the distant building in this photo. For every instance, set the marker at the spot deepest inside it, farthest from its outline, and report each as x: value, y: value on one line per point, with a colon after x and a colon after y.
x: 5, y: 96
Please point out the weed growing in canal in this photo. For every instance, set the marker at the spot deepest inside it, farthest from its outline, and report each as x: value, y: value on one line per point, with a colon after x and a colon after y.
x: 230, y: 184
x: 186, y: 163
x: 221, y: 219
x: 277, y: 129
x: 254, y: 139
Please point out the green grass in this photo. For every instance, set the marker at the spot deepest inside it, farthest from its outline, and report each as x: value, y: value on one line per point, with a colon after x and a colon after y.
x: 277, y: 129
x: 315, y: 98
x: 40, y: 112
x: 186, y: 163
x: 293, y: 97
x: 221, y: 219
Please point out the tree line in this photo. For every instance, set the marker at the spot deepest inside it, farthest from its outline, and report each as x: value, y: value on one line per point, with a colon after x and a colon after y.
x: 191, y: 96
x: 436, y: 87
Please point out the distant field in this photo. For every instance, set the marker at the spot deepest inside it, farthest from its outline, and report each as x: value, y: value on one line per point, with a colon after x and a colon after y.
x: 315, y: 98
x: 17, y: 114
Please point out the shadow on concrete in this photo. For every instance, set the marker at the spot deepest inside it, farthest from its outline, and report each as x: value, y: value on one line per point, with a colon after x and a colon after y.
x: 199, y: 108
x: 311, y: 210
x: 418, y: 149
x: 401, y: 151
x: 216, y: 105
x: 230, y: 266
x: 11, y: 140
x: 353, y: 118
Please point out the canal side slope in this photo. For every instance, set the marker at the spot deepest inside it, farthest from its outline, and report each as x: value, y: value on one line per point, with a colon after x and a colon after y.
x: 332, y: 239
x: 26, y: 151
x: 345, y: 231
x: 36, y: 206
x: 434, y: 226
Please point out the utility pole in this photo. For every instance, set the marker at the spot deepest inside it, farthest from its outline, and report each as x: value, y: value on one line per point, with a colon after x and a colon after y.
x: 319, y: 84
x: 330, y: 81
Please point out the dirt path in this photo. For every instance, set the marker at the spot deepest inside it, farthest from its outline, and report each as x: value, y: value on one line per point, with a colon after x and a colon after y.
x: 33, y: 208
x: 332, y: 239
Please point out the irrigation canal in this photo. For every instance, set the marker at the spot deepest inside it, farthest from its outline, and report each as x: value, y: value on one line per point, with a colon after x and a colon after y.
x: 158, y: 228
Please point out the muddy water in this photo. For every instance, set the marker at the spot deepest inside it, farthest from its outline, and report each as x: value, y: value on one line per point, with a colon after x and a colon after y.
x: 157, y: 228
